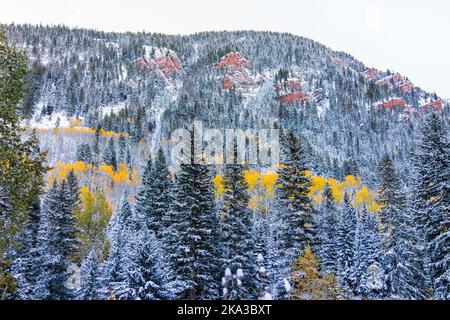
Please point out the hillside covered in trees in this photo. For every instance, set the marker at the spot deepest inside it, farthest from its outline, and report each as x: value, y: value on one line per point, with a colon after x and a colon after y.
x: 93, y: 207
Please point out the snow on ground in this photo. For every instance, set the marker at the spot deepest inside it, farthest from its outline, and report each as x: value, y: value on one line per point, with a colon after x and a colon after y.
x: 322, y: 107
x: 195, y: 56
x: 158, y: 51
x: 111, y: 109
x: 56, y: 119
x: 124, y: 73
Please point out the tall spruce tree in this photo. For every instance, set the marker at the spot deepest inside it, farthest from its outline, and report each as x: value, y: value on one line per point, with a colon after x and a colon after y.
x: 114, y: 270
x: 367, y: 253
x: 153, y: 199
x: 431, y: 194
x: 297, y: 212
x: 22, y: 168
x: 399, y: 237
x: 56, y: 244
x: 145, y: 277
x: 293, y: 208
x: 25, y: 257
x: 346, y: 244
x: 89, y: 277
x: 408, y: 281
x: 192, y: 234
x: 237, y: 243
x: 327, y: 232
x: 109, y: 154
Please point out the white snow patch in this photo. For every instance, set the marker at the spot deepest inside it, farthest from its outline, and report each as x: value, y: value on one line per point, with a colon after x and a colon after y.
x: 267, y: 296
x: 287, y: 285
x: 260, y: 258
x: 56, y: 119
x: 111, y: 109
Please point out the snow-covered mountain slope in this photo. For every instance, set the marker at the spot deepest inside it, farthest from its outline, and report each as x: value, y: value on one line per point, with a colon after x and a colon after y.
x: 147, y: 85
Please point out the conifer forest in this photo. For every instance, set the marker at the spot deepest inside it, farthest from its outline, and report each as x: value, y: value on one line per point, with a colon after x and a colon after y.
x: 94, y: 207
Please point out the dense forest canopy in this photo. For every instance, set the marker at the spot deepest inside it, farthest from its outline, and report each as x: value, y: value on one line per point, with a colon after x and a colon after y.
x: 357, y: 208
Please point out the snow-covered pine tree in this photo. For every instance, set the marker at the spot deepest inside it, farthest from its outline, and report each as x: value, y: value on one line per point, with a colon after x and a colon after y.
x: 146, y: 275
x: 160, y: 195
x: 144, y: 200
x: 20, y: 161
x: 346, y: 242
x: 293, y: 193
x: 56, y: 244
x: 114, y: 269
x: 44, y: 271
x: 96, y: 145
x: 73, y: 192
x: 25, y: 257
x: 367, y: 253
x: 191, y: 241
x: 292, y: 208
x: 237, y: 242
x: 153, y: 199
x: 89, y: 281
x: 64, y: 218
x: 122, y: 156
x: 408, y: 281
x: 109, y: 154
x: 262, y: 265
x: 84, y: 153
x: 327, y: 232
x: 431, y: 194
x: 399, y: 238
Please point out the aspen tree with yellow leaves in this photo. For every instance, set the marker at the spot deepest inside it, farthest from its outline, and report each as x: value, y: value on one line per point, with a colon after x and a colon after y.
x: 309, y: 284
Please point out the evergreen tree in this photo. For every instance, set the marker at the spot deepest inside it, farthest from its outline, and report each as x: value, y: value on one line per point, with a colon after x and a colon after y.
x: 114, y: 271
x: 25, y: 257
x: 122, y: 156
x: 73, y: 194
x: 409, y: 278
x: 109, y: 154
x: 192, y: 234
x: 84, y: 153
x: 293, y: 195
x: 56, y: 245
x: 153, y: 199
x: 346, y: 242
x: 367, y: 253
x: 237, y: 246
x: 96, y: 144
x: 145, y: 277
x: 262, y: 249
x: 22, y: 168
x: 295, y: 221
x: 431, y: 194
x: 327, y: 232
x: 89, y: 273
x: 399, y: 238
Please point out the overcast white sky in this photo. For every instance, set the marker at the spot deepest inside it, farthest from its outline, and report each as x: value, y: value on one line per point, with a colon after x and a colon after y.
x: 408, y: 36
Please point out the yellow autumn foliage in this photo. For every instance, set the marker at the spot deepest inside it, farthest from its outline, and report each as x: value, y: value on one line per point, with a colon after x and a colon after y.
x: 267, y: 181
x: 102, y: 177
x: 92, y: 214
x: 75, y: 123
x: 218, y: 185
x: 252, y: 177
x: 74, y: 128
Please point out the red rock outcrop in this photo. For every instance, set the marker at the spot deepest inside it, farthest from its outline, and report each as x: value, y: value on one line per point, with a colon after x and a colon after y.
x: 235, y: 69
x: 435, y: 105
x: 391, y: 104
x: 167, y: 64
